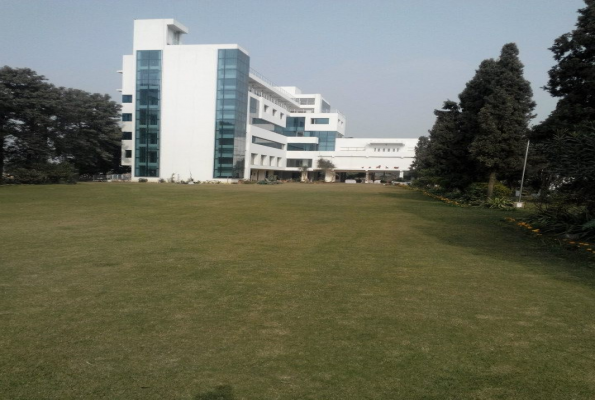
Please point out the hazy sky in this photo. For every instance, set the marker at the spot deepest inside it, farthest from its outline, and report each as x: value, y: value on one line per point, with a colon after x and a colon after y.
x: 386, y: 64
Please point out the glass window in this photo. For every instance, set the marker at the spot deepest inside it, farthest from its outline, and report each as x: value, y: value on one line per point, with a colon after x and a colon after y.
x: 253, y: 105
x: 128, y: 154
x: 302, y: 147
x: 148, y: 112
x: 298, y: 162
x: 126, y: 135
x: 126, y: 98
x: 266, y: 142
x: 232, y: 103
x: 126, y: 117
x: 306, y: 101
x: 320, y: 121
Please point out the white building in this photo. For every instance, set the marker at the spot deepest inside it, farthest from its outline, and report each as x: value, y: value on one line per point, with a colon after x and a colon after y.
x: 201, y: 112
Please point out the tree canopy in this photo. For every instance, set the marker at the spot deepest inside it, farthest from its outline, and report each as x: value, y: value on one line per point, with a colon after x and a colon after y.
x: 41, y: 124
x: 566, y: 139
x: 484, y: 134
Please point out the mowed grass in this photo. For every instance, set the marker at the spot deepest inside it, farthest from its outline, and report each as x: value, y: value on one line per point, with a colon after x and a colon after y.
x: 160, y: 291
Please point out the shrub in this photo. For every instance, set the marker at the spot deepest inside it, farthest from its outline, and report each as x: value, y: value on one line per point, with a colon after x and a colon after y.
x: 143, y: 180
x: 479, y: 191
x: 499, y: 203
x: 45, y: 173
x: 558, y: 216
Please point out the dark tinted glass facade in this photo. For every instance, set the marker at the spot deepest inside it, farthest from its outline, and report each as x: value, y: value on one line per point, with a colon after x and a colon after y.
x: 297, y: 162
x: 269, y: 126
x: 267, y: 143
x: 253, y: 105
x: 294, y: 125
x: 326, y: 139
x: 302, y: 147
x: 148, y: 112
x: 232, y: 107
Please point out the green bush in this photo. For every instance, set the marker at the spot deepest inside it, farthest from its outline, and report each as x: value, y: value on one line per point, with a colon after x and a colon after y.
x: 556, y: 215
x: 143, y: 180
x: 479, y: 191
x: 39, y: 174
x: 499, y: 203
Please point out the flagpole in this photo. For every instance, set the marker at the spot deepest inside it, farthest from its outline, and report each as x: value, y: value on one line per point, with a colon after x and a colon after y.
x: 524, y: 168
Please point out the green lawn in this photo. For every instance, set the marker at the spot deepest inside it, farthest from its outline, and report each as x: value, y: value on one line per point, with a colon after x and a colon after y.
x: 161, y: 291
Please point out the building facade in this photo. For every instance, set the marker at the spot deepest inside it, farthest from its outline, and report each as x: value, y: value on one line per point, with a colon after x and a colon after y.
x: 201, y: 112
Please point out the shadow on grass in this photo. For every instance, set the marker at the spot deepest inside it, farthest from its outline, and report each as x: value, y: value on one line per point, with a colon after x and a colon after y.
x: 224, y: 392
x: 483, y: 232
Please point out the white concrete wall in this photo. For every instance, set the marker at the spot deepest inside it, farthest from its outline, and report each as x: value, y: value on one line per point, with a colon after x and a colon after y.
x: 155, y: 34
x: 259, y: 157
x: 336, y: 123
x: 188, y: 105
x: 359, y: 154
x: 274, y: 113
x: 128, y: 87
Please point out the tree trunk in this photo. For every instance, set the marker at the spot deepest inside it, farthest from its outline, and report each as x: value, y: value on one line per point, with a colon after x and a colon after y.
x: 491, y: 184
x: 304, y: 177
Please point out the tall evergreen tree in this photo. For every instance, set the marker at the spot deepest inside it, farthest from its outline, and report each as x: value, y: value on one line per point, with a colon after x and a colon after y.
x: 448, y: 148
x: 496, y: 108
x: 566, y: 138
x: 572, y: 80
x: 423, y: 155
x: 503, y: 120
x: 472, y: 100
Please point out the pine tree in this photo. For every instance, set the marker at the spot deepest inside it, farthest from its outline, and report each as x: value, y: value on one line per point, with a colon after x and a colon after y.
x: 573, y: 78
x: 566, y: 139
x: 497, y: 107
x: 448, y: 147
x: 422, y: 161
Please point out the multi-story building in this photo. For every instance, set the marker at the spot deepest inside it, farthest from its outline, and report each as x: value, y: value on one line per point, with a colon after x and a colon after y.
x: 201, y: 112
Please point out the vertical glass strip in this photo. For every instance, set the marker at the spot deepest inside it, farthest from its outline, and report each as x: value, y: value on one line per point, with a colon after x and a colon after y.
x: 231, y: 115
x: 148, y: 112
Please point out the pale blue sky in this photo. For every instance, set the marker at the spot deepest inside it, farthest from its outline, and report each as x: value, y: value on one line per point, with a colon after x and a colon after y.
x: 386, y: 64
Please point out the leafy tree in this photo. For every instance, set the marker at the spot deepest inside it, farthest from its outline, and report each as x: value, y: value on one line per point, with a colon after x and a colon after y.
x: 27, y: 104
x: 88, y: 132
x: 41, y: 124
x: 572, y: 161
x: 326, y: 166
